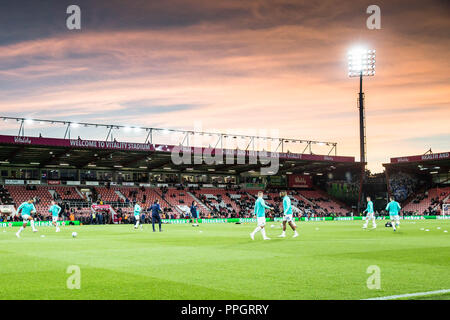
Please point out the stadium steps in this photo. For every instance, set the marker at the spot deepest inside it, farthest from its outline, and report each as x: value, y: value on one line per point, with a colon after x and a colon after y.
x: 199, y: 202
x: 82, y: 196
x: 121, y: 195
x: 250, y: 195
x: 52, y: 192
x: 311, y: 203
x: 168, y: 203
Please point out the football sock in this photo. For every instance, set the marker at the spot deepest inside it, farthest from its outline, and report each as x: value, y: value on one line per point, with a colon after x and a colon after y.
x: 263, y: 231
x: 256, y: 229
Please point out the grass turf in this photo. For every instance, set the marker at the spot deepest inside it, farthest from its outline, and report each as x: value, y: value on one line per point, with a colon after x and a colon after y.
x: 219, y: 261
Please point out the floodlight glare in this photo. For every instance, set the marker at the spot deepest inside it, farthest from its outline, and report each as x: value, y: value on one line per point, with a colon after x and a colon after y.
x: 360, y: 62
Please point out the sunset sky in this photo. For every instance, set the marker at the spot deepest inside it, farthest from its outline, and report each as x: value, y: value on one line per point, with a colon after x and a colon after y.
x: 234, y: 65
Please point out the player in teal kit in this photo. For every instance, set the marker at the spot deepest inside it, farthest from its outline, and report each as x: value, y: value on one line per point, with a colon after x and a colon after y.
x: 393, y: 208
x: 260, y: 212
x: 370, y: 214
x: 55, y: 210
x: 137, y: 215
x: 287, y: 215
x: 27, y: 209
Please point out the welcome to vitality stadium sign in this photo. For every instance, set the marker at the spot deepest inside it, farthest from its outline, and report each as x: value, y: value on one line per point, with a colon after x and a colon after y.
x: 147, y: 147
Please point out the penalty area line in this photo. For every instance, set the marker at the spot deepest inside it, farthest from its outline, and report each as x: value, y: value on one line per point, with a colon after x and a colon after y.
x: 417, y: 294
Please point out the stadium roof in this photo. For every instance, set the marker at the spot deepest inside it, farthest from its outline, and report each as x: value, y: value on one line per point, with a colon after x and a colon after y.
x: 426, y: 163
x: 23, y: 151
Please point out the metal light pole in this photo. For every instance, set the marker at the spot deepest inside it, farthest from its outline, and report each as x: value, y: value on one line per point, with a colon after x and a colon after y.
x: 361, y: 62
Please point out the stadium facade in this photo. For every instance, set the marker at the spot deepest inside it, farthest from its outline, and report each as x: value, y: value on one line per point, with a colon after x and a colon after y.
x: 86, y: 176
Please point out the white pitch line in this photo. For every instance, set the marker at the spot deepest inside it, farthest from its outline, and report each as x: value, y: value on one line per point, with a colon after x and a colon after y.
x: 417, y: 294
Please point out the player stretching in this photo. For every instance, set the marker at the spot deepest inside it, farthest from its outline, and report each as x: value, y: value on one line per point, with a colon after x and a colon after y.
x: 137, y: 215
x: 27, y: 209
x: 393, y: 208
x: 287, y: 218
x: 370, y: 215
x: 55, y: 210
x: 260, y: 212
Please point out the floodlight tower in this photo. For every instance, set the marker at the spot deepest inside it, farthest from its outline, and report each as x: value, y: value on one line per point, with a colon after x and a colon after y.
x: 361, y: 62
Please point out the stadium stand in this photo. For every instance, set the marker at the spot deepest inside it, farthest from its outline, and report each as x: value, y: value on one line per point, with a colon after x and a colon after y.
x: 5, y: 197
x: 66, y: 193
x: 181, y: 199
x: 427, y: 202
x: 40, y: 194
x: 224, y: 203
x: 323, y: 202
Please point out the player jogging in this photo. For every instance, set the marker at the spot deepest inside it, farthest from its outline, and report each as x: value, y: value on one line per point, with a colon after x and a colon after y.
x: 287, y: 215
x: 55, y: 210
x: 27, y: 209
x: 393, y: 208
x: 137, y: 215
x: 260, y: 212
x: 370, y: 214
x: 156, y: 209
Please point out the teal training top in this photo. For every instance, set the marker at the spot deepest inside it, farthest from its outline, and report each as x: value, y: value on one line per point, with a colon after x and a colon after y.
x: 260, y: 207
x: 26, y: 208
x: 137, y: 209
x: 369, y: 208
x: 393, y: 208
x: 287, y: 208
x: 55, y: 210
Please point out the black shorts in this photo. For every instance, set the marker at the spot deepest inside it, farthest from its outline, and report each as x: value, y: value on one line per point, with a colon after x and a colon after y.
x: 156, y: 219
x: 194, y: 215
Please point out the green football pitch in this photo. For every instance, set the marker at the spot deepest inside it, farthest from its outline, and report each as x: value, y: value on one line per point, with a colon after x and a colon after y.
x: 329, y: 260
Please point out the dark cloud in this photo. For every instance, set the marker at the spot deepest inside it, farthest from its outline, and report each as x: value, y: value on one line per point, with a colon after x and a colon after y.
x: 29, y: 19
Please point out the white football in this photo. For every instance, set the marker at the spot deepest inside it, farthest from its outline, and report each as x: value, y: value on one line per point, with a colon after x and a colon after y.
x: 74, y: 234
